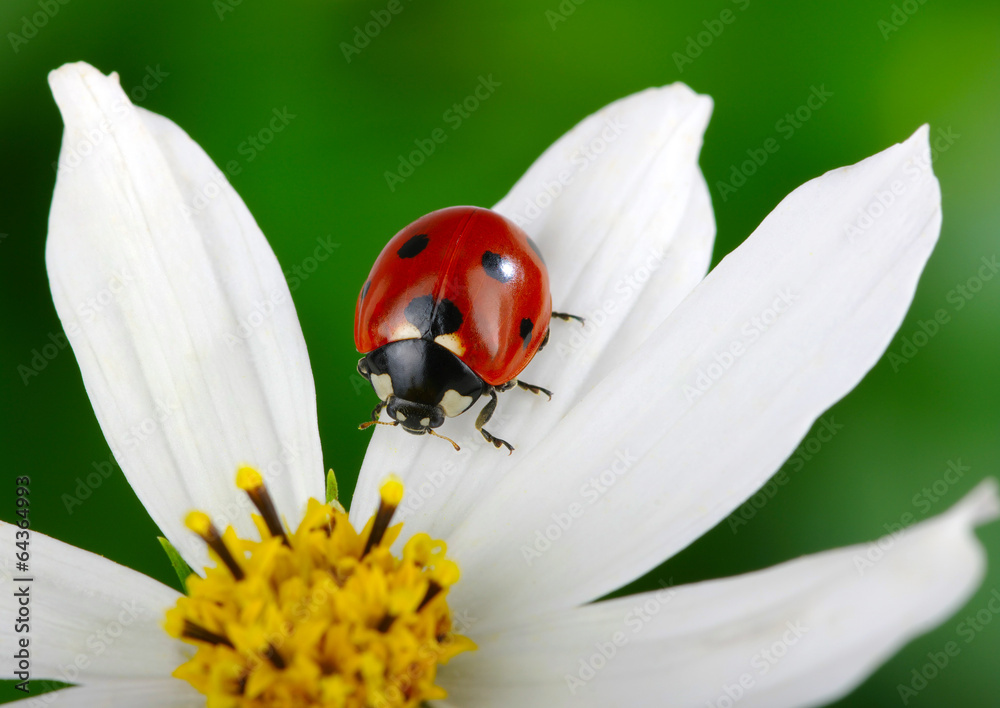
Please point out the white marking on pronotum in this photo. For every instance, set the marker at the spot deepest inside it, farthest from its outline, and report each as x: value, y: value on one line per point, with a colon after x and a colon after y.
x: 382, y: 383
x: 451, y: 342
x: 453, y: 403
x: 405, y: 331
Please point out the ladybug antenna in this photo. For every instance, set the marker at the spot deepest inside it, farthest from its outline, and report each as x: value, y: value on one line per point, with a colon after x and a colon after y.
x: 370, y: 423
x: 439, y: 435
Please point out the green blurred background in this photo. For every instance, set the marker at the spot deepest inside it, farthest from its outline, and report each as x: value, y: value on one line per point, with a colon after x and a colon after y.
x: 220, y: 68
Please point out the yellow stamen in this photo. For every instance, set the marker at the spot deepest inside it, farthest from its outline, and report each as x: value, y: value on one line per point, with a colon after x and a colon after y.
x: 325, y: 617
x: 198, y: 522
x: 248, y: 478
x: 202, y: 525
x: 391, y: 491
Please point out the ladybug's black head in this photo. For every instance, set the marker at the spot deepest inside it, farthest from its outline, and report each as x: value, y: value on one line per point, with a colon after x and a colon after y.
x: 420, y: 383
x: 416, y: 418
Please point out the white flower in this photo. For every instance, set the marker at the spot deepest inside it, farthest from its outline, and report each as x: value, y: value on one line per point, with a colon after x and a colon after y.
x: 679, y: 399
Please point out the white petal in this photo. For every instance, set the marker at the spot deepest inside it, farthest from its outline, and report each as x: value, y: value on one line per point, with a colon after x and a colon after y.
x: 148, y: 693
x: 90, y: 618
x: 178, y: 314
x: 648, y: 461
x: 684, y: 265
x: 799, y: 634
x: 626, y: 237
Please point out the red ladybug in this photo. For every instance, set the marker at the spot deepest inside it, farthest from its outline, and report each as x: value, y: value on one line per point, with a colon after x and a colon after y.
x: 454, y: 308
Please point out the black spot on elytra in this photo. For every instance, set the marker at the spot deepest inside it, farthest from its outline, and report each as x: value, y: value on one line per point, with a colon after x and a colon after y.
x: 364, y: 290
x: 526, y: 326
x: 413, y: 246
x: 498, y: 267
x: 534, y: 247
x: 433, y: 318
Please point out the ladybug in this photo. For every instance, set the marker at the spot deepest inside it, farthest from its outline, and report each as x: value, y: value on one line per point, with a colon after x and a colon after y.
x: 455, y: 307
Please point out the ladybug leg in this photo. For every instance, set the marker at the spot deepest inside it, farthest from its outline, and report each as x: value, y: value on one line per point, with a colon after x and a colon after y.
x: 568, y: 317
x: 487, y: 413
x: 534, y: 389
x: 545, y: 340
x: 377, y: 411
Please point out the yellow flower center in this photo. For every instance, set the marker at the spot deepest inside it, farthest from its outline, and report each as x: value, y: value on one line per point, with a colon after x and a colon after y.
x: 325, y: 616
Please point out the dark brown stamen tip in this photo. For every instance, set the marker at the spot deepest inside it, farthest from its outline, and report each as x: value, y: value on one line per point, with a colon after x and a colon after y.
x: 200, y: 634
x: 272, y: 655
x: 432, y: 591
x: 385, y: 623
x: 382, y: 519
x: 215, y: 542
x: 261, y: 499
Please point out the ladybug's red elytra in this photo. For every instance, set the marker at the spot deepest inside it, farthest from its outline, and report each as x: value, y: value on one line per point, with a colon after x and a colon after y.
x: 455, y: 307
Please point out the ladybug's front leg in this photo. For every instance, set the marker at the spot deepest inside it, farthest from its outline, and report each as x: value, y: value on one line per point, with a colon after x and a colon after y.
x: 534, y: 389
x: 487, y: 413
x: 377, y: 411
